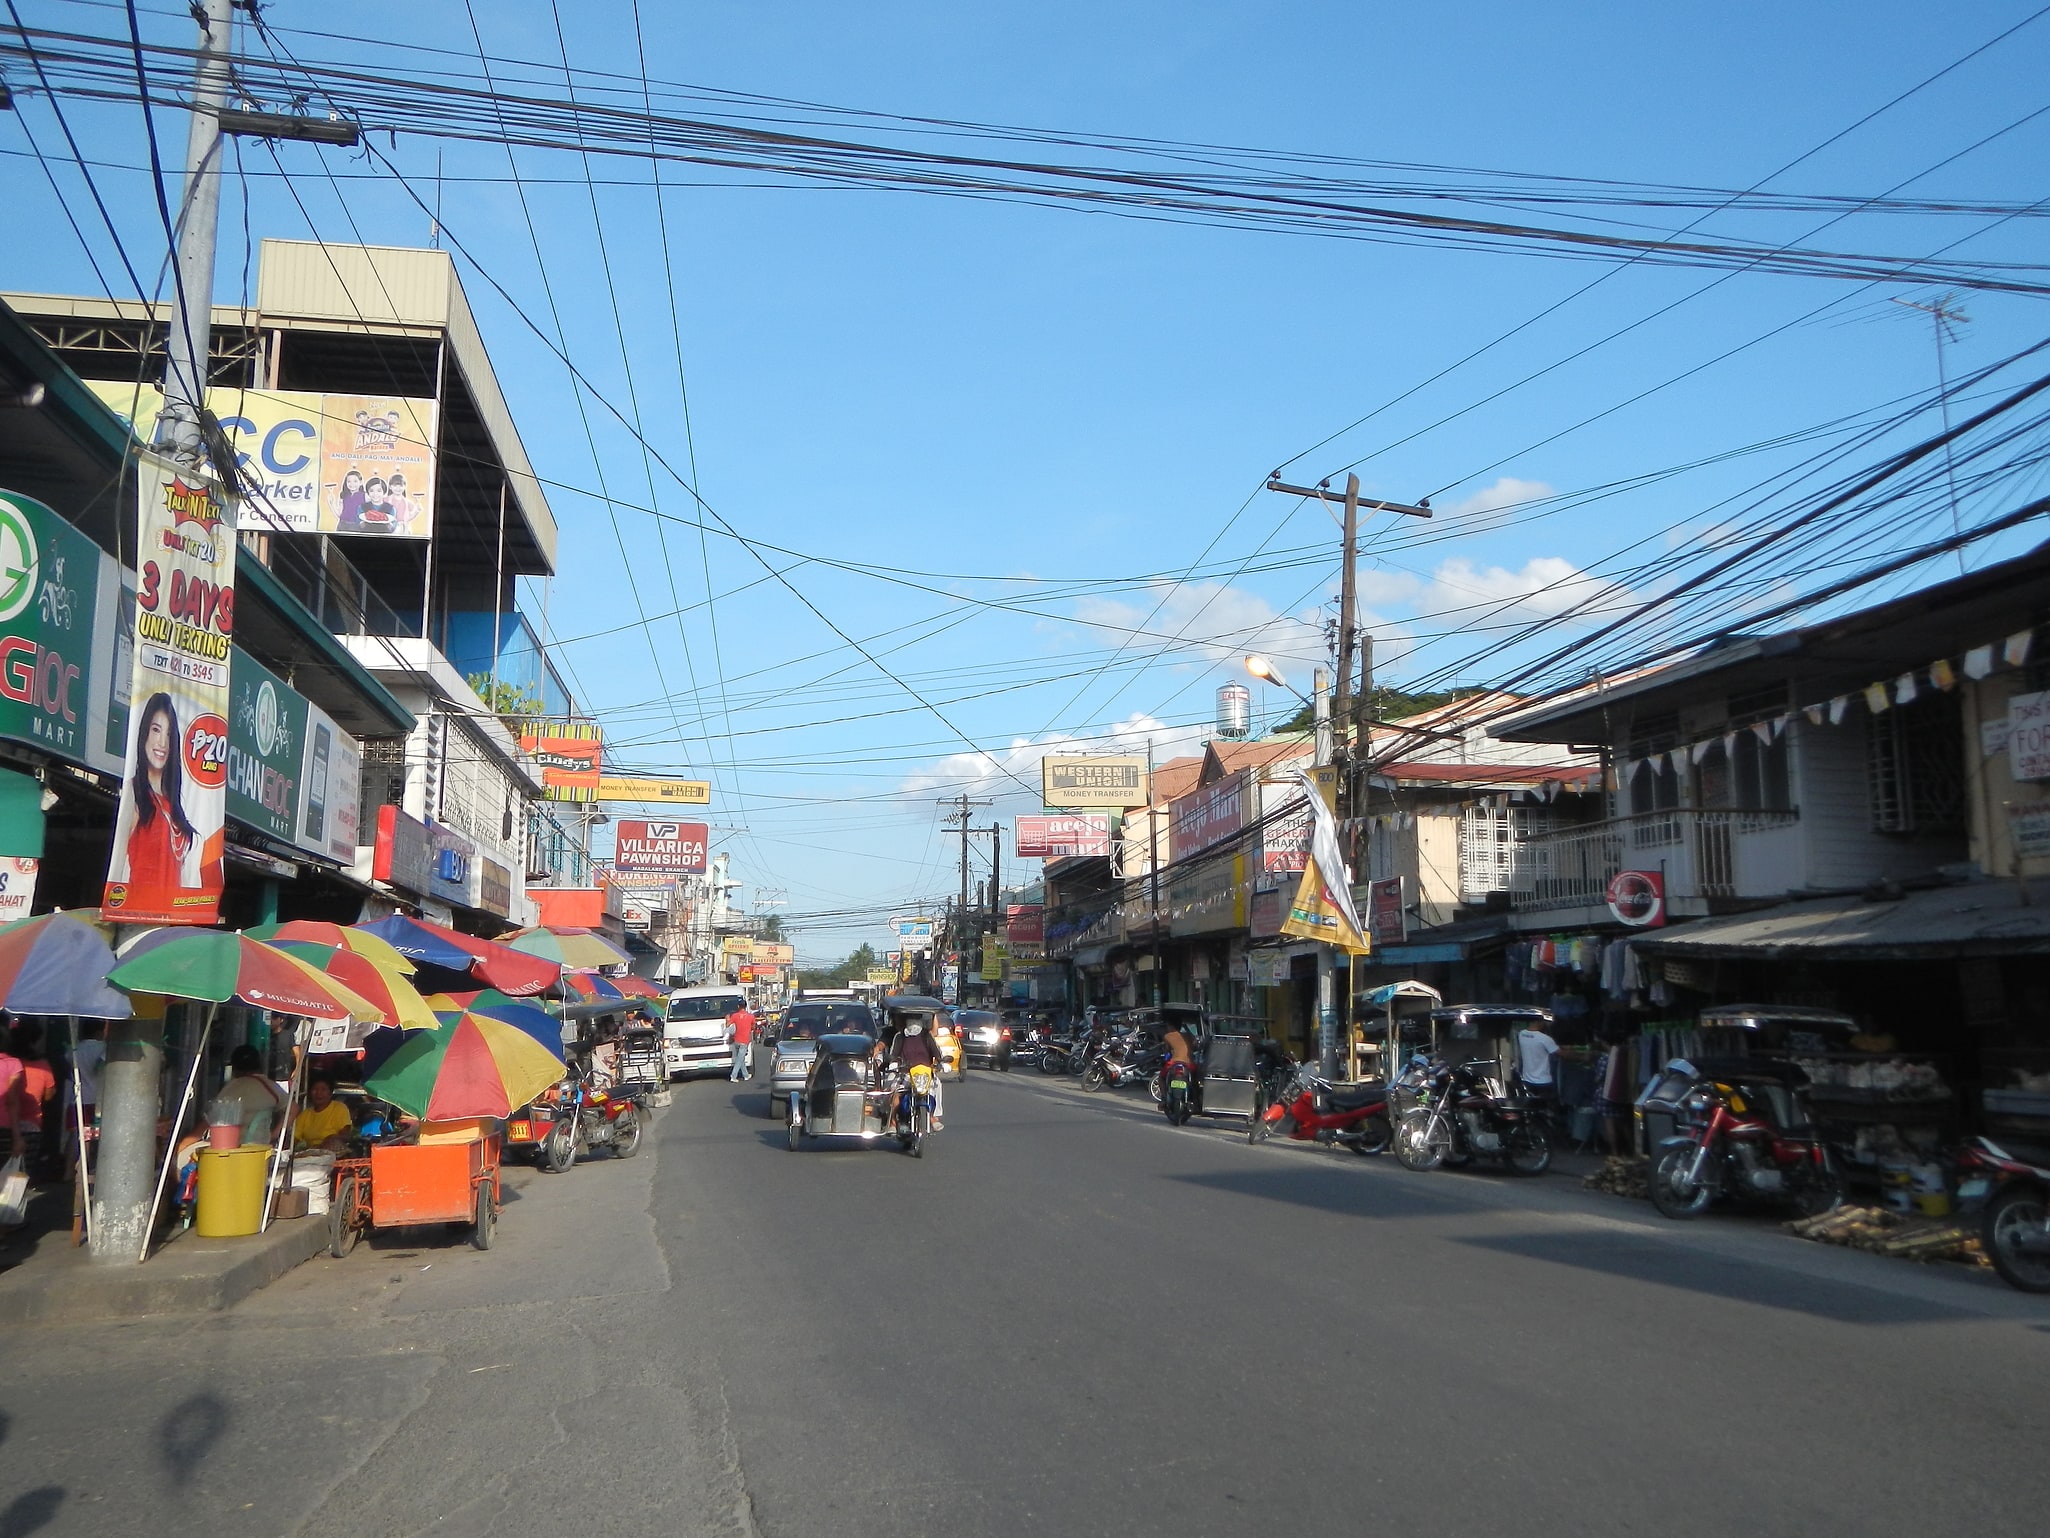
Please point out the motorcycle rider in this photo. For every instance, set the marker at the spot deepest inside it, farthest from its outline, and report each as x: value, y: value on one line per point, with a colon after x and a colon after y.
x: 909, y: 1044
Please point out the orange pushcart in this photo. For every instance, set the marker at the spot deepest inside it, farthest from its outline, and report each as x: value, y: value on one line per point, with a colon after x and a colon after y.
x: 401, y: 1184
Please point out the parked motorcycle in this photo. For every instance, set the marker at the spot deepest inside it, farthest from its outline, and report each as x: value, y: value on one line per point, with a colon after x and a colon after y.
x: 1314, y: 1110
x: 1128, y: 1060
x: 1730, y: 1142
x: 1456, y: 1114
x: 590, y: 1118
x: 2015, y: 1226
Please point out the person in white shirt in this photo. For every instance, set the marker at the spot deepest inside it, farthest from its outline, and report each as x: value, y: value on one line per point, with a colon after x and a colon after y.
x: 1535, y: 1055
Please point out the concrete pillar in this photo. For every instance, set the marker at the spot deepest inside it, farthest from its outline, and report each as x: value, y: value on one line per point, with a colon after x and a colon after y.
x: 125, y: 1184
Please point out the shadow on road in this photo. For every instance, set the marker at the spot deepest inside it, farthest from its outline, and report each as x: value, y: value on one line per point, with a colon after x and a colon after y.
x: 188, y: 1432
x: 1650, y: 1260
x: 31, y: 1511
x: 1332, y: 1190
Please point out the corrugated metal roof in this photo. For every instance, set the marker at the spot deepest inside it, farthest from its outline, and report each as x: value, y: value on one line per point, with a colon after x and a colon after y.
x: 1977, y: 918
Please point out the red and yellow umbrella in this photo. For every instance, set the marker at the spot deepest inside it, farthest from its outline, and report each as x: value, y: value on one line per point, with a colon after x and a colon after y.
x: 338, y: 936
x: 468, y: 1065
x: 398, y: 1001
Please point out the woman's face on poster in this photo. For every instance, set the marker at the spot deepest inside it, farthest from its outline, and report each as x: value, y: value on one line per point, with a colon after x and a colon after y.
x: 156, y: 740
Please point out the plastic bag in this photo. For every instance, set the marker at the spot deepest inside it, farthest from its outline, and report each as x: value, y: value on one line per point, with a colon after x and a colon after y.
x: 13, y: 1194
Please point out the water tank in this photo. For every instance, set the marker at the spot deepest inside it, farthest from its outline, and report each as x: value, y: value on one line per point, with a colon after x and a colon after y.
x: 1234, y: 711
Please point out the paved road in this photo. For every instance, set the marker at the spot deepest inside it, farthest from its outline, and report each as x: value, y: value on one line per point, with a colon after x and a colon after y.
x: 1066, y: 1319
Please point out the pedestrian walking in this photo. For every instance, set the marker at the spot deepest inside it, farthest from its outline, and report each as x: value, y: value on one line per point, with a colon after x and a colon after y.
x: 740, y: 1031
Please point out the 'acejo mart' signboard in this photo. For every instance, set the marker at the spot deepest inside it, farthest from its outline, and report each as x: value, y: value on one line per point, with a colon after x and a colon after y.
x: 644, y: 844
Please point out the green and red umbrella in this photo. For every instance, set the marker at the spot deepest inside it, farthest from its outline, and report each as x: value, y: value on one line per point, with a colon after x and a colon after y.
x: 342, y: 936
x: 218, y: 966
x: 468, y: 1065
x: 398, y: 1002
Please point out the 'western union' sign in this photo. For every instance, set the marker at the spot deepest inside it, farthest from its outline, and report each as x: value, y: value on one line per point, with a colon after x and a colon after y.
x: 683, y: 792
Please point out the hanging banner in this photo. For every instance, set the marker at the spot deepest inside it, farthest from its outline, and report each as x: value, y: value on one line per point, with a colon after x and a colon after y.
x: 165, y: 866
x: 318, y: 464
x: 1387, y: 921
x: 1317, y: 913
x: 567, y: 756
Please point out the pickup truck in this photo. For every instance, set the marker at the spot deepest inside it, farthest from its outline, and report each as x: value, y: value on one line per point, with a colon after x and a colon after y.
x: 694, y: 1037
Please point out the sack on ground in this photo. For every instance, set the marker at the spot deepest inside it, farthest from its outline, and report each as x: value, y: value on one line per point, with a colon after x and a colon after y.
x: 13, y: 1194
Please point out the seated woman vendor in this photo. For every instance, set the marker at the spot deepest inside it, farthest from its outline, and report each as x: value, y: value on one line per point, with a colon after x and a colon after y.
x: 325, y: 1123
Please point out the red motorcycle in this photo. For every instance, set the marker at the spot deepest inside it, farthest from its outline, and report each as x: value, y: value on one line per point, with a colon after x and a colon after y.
x: 1352, y: 1116
x: 1738, y: 1142
x: 2014, y: 1184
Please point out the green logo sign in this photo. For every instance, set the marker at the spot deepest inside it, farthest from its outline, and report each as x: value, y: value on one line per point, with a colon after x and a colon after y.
x: 20, y: 561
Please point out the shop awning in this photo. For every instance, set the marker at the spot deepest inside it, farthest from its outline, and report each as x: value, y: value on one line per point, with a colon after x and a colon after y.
x: 1977, y: 918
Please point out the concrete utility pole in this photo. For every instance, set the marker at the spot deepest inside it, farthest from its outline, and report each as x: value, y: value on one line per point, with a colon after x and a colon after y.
x: 959, y: 819
x: 1327, y: 1009
x: 124, y: 1189
x: 996, y: 884
x: 1153, y: 870
x: 188, y: 340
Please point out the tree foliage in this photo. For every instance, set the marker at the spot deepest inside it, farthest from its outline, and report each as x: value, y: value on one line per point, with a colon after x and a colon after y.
x: 853, y: 969
x: 1389, y: 704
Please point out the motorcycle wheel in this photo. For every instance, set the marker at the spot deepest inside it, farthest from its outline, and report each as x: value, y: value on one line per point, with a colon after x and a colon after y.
x: 626, y: 1135
x: 1672, y: 1193
x: 343, y: 1230
x: 1530, y: 1151
x: 1414, y: 1148
x: 1094, y: 1078
x: 1814, y: 1194
x: 793, y: 1130
x: 561, y: 1148
x: 1052, y: 1060
x: 1374, y: 1137
x: 1153, y: 1088
x: 2017, y: 1238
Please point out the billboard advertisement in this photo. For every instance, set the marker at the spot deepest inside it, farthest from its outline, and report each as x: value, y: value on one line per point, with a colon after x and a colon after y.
x: 321, y: 464
x: 1084, y: 782
x: 567, y: 755
x: 1061, y: 836
x: 169, y: 833
x: 49, y: 591
x: 1206, y: 816
x: 1025, y: 924
x: 664, y: 846
x: 775, y: 953
x: 629, y: 788
x: 1387, y: 919
x: 266, y: 750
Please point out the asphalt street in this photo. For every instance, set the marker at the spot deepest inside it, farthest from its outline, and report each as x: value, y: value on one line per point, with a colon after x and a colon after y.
x: 1066, y: 1318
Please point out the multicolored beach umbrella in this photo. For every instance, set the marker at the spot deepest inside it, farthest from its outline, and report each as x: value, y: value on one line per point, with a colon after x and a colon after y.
x: 468, y: 1065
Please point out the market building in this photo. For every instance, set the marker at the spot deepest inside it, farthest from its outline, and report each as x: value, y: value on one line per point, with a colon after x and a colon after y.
x: 395, y: 507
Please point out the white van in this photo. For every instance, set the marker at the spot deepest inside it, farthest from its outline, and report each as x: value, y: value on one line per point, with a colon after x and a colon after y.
x: 694, y: 1036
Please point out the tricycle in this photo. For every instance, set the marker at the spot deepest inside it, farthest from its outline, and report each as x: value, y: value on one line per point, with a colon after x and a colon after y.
x: 437, y: 1176
x: 847, y: 1094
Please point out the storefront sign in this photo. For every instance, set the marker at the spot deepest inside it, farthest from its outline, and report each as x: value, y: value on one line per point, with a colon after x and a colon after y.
x: 1064, y: 836
x: 320, y: 464
x: 1209, y: 898
x: 266, y: 750
x: 1285, y: 839
x: 1638, y: 898
x: 404, y: 851
x: 2029, y: 825
x: 1266, y: 969
x: 454, y: 857
x: 567, y: 756
x: 914, y: 934
x: 1111, y: 782
x: 1387, y: 920
x: 882, y: 977
x: 681, y: 792
x: 1206, y: 816
x: 1025, y: 924
x: 17, y: 886
x: 670, y: 846
x: 333, y: 784
x: 165, y: 865
x: 49, y: 589
x: 775, y: 953
x: 2028, y: 736
x: 494, y: 888
x: 1264, y: 913
x: 737, y: 945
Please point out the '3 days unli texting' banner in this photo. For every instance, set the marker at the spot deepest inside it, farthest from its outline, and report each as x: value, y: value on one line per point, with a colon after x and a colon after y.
x: 165, y: 867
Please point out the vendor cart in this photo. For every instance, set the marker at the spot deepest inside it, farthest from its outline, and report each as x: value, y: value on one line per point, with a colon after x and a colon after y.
x: 400, y: 1185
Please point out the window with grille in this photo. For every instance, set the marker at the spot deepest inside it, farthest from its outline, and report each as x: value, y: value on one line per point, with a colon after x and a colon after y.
x: 1915, y: 767
x: 1492, y: 854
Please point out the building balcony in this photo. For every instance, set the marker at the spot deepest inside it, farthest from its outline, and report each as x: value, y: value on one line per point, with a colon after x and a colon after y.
x: 1704, y: 855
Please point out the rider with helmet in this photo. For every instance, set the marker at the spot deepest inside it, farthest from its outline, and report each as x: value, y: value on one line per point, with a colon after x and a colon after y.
x: 908, y: 1042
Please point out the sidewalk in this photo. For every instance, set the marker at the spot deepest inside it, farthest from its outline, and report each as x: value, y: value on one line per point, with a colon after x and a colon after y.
x: 47, y: 1281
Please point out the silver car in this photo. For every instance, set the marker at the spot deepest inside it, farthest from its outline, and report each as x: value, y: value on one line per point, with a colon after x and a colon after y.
x: 798, y: 1041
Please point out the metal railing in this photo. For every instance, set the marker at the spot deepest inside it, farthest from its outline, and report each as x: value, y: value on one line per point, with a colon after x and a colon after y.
x: 1703, y: 853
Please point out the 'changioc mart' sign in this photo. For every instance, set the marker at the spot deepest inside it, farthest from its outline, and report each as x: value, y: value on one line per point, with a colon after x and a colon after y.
x: 54, y: 653
x: 1083, y: 782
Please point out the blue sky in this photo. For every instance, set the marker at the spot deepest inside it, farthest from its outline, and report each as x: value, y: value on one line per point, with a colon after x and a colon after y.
x: 986, y: 390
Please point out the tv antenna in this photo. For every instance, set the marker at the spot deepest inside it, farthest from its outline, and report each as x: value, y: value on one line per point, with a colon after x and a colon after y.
x: 1945, y: 318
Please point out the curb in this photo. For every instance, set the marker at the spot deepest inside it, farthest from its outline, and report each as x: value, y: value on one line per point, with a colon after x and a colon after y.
x: 191, y: 1276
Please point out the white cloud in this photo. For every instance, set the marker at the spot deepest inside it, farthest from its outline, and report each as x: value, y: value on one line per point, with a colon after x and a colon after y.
x: 1544, y: 586
x: 1508, y: 494
x: 1215, y: 622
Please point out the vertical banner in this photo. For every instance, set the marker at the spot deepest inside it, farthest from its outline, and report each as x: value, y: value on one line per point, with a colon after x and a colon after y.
x: 165, y: 866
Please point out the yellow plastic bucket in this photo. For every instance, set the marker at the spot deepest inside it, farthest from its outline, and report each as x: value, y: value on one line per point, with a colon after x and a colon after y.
x: 231, y: 1191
